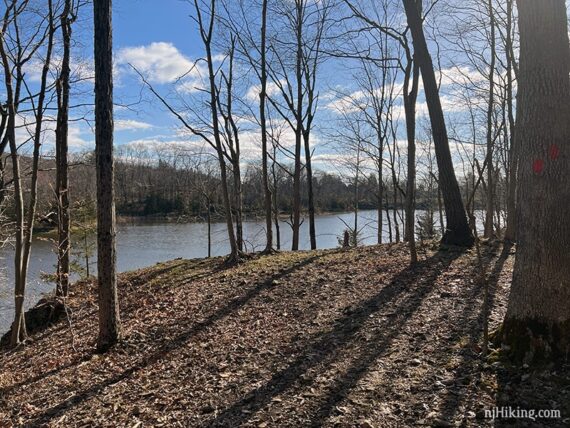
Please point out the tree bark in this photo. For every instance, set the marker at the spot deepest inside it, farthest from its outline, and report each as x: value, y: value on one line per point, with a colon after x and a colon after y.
x: 310, y: 193
x: 490, y: 208
x: 275, y: 202
x: 109, y: 317
x: 238, y: 202
x: 62, y: 164
x: 263, y: 120
x: 537, y: 323
x: 457, y: 231
x: 410, y: 98
x: 380, y: 191
x: 19, y: 325
x: 209, y: 217
x: 298, y: 128
x: 510, y: 232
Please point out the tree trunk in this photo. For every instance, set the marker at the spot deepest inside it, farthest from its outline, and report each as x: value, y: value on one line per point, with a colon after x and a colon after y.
x: 238, y: 204
x: 298, y: 129
x: 457, y: 231
x: 311, y: 198
x: 18, y: 326
x: 109, y: 318
x: 62, y: 166
x: 510, y: 234
x: 3, y: 145
x: 537, y: 324
x: 24, y: 221
x: 209, y: 217
x: 356, y: 195
x: 206, y: 32
x: 395, y: 214
x: 410, y: 98
x: 390, y: 236
x: 380, y: 190
x: 440, y: 209
x: 263, y: 120
x: 275, y: 202
x: 490, y: 209
x: 86, y: 251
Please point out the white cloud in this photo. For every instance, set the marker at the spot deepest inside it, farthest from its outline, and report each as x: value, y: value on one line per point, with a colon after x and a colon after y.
x: 254, y: 91
x: 81, y: 69
x: 460, y: 75
x: 159, y: 62
x: 131, y: 125
x: 166, y: 144
x: 346, y: 104
x: 76, y: 139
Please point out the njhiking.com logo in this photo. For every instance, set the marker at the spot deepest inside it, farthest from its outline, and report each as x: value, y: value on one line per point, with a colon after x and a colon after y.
x: 508, y: 412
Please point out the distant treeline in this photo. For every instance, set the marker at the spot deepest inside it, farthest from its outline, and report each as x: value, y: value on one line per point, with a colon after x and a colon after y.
x: 150, y: 186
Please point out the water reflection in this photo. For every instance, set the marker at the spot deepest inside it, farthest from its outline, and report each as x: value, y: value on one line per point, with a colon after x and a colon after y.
x: 143, y: 244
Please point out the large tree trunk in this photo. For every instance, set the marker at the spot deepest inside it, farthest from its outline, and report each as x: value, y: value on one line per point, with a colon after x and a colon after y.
x: 62, y: 166
x: 109, y: 318
x: 457, y: 231
x: 537, y: 324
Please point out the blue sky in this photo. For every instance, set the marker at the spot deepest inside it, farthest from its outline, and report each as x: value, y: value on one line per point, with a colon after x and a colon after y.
x: 137, y: 25
x: 161, y: 40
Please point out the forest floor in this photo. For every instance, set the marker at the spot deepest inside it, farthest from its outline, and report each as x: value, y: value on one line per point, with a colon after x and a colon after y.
x: 322, y: 338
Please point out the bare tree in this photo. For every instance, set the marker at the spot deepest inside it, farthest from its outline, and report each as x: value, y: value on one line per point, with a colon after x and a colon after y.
x: 206, y: 21
x: 510, y: 231
x: 491, y: 105
x: 405, y: 62
x: 231, y: 137
x: 219, y: 130
x: 264, y: 138
x: 296, y: 80
x: 457, y: 229
x: 67, y: 17
x: 14, y: 79
x: 410, y: 94
x: 109, y: 317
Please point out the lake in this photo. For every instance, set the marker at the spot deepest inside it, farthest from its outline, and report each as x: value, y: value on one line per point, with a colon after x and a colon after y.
x: 144, y: 244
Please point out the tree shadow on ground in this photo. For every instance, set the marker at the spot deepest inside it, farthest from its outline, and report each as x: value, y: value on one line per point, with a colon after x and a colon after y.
x: 42, y: 320
x: 76, y: 361
x: 468, y: 327
x: 403, y: 296
x: 169, y: 345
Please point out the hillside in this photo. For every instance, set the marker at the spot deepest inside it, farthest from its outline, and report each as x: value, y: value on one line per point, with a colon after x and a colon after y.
x: 333, y: 338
